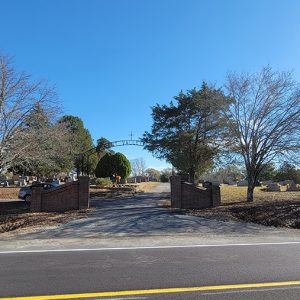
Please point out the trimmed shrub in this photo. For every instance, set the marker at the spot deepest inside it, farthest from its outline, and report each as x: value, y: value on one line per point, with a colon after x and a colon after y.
x: 103, y: 182
x: 113, y: 165
x: 121, y: 165
x: 104, y: 167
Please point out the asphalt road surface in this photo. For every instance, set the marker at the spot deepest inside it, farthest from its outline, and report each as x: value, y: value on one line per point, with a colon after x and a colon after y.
x: 270, y: 271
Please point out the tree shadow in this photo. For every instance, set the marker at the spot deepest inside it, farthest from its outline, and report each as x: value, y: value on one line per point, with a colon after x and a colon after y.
x: 143, y: 217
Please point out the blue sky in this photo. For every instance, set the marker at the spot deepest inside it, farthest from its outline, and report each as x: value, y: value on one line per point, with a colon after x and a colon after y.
x: 112, y: 60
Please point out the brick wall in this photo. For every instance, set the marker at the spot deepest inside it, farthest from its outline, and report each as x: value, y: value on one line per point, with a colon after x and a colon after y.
x: 70, y: 196
x: 176, y: 191
x: 188, y: 196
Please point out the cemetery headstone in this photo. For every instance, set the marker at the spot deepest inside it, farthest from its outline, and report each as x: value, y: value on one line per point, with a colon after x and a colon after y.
x: 6, y: 184
x: 293, y: 187
x: 274, y: 187
x: 22, y: 182
x: 286, y: 182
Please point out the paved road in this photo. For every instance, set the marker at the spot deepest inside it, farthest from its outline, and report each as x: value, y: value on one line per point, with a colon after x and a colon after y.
x: 135, y: 245
x: 86, y: 272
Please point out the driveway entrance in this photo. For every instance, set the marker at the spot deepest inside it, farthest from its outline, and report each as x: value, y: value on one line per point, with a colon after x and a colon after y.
x: 142, y: 216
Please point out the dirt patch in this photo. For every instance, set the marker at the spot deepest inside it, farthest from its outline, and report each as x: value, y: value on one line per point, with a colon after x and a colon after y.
x: 279, y: 209
x: 16, y: 215
x: 278, y: 213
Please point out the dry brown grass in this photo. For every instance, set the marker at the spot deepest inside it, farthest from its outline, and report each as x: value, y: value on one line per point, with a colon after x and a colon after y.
x: 235, y: 194
x: 145, y: 187
x: 9, y: 192
x: 122, y: 191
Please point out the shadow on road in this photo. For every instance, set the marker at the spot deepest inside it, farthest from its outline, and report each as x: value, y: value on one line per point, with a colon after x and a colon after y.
x: 143, y: 216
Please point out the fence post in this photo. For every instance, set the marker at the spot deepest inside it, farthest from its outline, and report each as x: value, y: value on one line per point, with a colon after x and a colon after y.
x: 83, y: 192
x: 176, y: 191
x: 36, y: 199
x: 215, y: 195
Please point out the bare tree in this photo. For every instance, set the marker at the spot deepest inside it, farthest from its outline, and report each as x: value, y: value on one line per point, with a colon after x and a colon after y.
x: 153, y: 174
x: 19, y: 96
x: 138, y: 167
x: 264, y: 119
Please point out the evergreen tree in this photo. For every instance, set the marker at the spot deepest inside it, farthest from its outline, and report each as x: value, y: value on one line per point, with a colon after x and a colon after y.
x: 121, y: 165
x: 288, y: 172
x: 113, y: 165
x: 188, y: 133
x: 80, y: 141
x: 104, y: 167
x: 268, y: 172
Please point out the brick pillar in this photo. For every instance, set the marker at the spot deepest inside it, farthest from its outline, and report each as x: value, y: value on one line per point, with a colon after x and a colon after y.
x: 176, y: 191
x: 215, y: 196
x: 83, y: 192
x: 36, y: 199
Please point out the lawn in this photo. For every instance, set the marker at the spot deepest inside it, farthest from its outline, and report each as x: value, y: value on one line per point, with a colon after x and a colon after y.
x: 235, y: 194
x: 9, y: 192
x: 12, y: 192
x: 121, y: 191
x: 145, y: 187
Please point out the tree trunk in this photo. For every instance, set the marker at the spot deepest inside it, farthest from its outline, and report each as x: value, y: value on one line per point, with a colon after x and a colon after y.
x: 192, y: 176
x: 251, y: 186
x: 250, y: 191
x: 251, y: 177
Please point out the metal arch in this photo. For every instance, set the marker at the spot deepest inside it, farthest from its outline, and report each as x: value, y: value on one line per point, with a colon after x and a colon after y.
x: 127, y: 143
x: 112, y: 145
x: 97, y: 149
